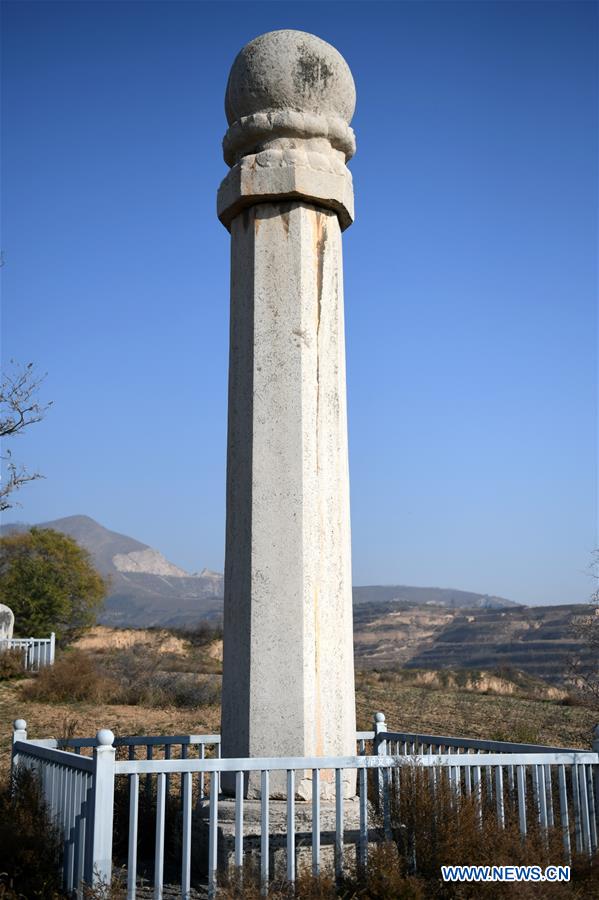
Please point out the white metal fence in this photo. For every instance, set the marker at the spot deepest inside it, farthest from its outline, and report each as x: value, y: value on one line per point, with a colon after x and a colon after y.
x: 73, y: 788
x: 545, y: 786
x: 37, y: 652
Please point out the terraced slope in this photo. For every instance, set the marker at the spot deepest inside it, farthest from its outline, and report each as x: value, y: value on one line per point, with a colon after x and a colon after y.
x: 536, y: 640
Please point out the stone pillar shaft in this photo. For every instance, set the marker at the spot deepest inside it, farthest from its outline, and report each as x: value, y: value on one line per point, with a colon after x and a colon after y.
x: 288, y: 665
x: 288, y: 673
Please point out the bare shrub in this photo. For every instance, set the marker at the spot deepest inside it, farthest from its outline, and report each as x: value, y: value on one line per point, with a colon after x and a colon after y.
x: 573, y: 699
x: 132, y: 677
x: 433, y: 825
x: 190, y: 691
x: 180, y: 689
x: 147, y: 828
x: 30, y: 845
x: 74, y: 676
x: 11, y: 664
x: 200, y: 635
x: 383, y: 880
x: 142, y: 682
x: 306, y: 887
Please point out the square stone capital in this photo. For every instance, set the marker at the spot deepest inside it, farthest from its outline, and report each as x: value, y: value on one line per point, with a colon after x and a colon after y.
x: 247, y: 184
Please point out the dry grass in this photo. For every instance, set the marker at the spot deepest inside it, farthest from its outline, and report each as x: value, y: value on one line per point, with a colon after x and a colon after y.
x: 198, y: 652
x: 502, y: 681
x: 84, y: 718
x: 462, y: 712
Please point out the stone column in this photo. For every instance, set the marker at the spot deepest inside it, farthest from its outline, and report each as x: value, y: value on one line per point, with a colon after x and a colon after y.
x: 288, y: 676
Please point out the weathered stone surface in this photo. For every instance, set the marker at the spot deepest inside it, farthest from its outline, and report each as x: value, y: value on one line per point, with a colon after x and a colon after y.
x: 7, y: 623
x: 248, y: 184
x: 288, y: 677
x: 290, y: 69
x: 290, y: 99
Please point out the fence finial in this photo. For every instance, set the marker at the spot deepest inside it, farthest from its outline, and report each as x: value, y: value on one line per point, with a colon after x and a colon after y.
x: 105, y: 737
x: 19, y: 734
x: 379, y: 722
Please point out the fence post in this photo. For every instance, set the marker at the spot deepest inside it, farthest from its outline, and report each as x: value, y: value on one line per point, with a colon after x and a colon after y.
x: 52, y: 648
x: 103, y: 808
x: 595, y: 769
x: 19, y: 734
x: 379, y: 749
x: 380, y: 727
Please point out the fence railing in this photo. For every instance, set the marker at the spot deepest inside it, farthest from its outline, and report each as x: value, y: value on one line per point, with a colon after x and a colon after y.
x: 545, y: 779
x: 547, y: 787
x: 73, y: 788
x: 37, y: 652
x: 182, y: 745
x: 404, y: 743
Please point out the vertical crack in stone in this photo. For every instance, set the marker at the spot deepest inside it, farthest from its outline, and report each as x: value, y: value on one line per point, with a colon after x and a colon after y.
x: 319, y: 250
x: 320, y: 236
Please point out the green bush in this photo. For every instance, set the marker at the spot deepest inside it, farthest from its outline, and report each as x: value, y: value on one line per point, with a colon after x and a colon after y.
x: 49, y: 582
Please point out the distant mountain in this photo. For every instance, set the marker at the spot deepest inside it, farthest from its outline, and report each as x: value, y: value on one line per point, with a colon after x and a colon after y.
x: 429, y: 596
x: 424, y: 628
x: 147, y: 589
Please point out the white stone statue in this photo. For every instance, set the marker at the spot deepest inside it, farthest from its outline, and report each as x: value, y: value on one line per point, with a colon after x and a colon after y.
x: 7, y: 622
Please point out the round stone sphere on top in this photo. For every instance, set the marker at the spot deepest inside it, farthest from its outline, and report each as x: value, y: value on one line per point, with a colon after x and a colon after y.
x: 288, y: 86
x: 290, y: 98
x: 290, y: 70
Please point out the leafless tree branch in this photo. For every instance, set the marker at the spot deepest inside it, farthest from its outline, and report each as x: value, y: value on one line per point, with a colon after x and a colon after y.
x: 19, y: 407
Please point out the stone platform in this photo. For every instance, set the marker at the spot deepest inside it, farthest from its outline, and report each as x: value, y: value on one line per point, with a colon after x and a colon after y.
x: 278, y: 836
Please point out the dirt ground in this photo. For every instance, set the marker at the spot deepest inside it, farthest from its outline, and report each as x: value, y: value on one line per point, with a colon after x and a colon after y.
x: 84, y: 719
x: 497, y: 717
x: 407, y: 705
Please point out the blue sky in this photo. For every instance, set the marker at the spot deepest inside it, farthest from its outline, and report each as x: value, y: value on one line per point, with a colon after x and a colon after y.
x: 470, y: 277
